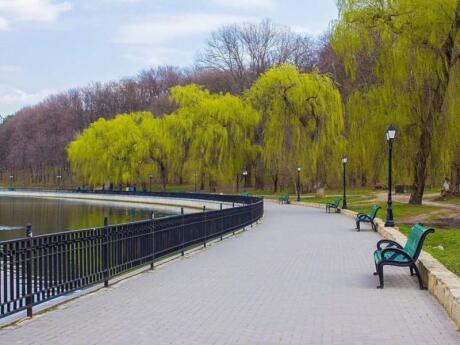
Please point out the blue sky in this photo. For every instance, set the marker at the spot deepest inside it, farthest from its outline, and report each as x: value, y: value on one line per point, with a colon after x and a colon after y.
x: 47, y: 46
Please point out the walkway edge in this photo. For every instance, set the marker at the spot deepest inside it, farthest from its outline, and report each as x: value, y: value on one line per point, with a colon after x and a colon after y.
x: 442, y: 283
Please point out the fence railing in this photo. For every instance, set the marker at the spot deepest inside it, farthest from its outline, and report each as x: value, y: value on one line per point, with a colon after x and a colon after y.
x: 37, y: 269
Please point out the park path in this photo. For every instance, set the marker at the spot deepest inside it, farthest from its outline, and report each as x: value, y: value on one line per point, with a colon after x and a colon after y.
x: 300, y: 277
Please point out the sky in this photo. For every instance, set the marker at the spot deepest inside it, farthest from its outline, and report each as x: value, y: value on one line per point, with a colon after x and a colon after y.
x: 48, y: 46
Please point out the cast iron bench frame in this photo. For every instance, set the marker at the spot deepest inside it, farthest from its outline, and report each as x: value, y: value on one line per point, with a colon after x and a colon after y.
x: 334, y: 204
x: 394, y: 254
x: 367, y: 218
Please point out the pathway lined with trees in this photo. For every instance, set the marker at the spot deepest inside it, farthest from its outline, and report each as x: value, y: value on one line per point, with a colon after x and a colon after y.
x: 300, y: 277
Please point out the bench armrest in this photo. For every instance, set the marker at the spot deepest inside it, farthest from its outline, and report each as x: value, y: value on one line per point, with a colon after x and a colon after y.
x: 395, y: 253
x: 389, y: 244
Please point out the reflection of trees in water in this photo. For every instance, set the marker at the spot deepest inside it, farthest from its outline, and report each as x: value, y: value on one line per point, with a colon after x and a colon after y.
x: 54, y: 215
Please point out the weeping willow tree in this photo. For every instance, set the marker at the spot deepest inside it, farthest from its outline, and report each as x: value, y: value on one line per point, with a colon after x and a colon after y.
x: 106, y: 151
x: 413, y: 43
x: 302, y: 125
x: 125, y: 149
x: 220, y: 129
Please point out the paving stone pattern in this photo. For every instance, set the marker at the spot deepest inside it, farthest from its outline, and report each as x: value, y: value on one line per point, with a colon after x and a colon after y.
x: 300, y: 277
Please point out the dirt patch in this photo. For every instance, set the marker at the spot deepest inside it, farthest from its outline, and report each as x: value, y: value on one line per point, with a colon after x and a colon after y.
x: 453, y: 222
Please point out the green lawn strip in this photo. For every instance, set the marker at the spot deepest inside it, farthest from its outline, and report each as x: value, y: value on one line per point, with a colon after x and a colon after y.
x: 444, y: 245
x: 350, y: 198
x: 401, y: 211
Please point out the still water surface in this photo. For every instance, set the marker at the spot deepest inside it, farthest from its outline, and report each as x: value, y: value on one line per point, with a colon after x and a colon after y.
x: 56, y: 215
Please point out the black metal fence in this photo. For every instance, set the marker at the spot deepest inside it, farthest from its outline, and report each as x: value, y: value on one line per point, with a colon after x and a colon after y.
x: 37, y: 269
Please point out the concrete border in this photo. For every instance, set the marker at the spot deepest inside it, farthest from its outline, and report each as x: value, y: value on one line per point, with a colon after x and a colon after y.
x: 442, y: 283
x: 195, y: 204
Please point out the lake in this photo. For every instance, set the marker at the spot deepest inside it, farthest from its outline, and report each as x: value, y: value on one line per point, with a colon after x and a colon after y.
x: 49, y: 215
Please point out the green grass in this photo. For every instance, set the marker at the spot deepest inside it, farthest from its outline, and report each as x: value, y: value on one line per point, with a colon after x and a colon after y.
x: 350, y: 198
x: 449, y: 239
x: 401, y: 211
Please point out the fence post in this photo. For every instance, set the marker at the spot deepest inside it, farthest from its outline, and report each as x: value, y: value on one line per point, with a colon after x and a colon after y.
x: 152, y: 217
x: 252, y: 213
x: 221, y: 223
x: 183, y: 230
x: 29, y: 296
x: 205, y: 233
x: 106, y: 252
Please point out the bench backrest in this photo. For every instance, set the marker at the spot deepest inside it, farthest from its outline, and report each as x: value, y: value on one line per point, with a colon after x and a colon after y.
x: 374, y: 211
x: 286, y: 196
x: 337, y: 201
x: 415, y: 240
x: 245, y: 194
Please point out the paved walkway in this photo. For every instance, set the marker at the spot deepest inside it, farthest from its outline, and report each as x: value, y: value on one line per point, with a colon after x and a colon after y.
x: 301, y: 277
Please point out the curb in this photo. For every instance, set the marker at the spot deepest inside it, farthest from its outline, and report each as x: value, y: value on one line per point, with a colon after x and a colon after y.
x: 442, y: 283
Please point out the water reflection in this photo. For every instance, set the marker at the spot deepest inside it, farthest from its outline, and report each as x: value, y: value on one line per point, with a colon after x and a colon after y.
x: 55, y: 215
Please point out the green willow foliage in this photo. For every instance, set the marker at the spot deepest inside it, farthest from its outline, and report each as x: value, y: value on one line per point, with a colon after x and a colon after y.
x: 214, y: 136
x: 302, y: 124
x: 410, y: 42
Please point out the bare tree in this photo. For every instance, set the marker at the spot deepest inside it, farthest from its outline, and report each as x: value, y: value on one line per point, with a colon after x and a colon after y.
x: 247, y: 50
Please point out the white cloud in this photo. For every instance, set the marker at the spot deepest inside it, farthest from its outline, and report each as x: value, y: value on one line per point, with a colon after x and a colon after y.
x: 246, y: 4
x: 13, y: 99
x: 44, y: 11
x: 164, y: 29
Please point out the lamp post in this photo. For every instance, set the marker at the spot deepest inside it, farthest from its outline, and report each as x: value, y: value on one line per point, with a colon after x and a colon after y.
x: 150, y: 183
x: 298, y: 184
x: 195, y: 181
x: 245, y: 176
x: 59, y: 178
x: 390, y: 135
x: 11, y: 181
x: 344, y: 163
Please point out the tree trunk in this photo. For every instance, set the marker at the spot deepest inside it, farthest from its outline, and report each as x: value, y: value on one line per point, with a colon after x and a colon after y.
x: 164, y: 177
x: 435, y: 109
x: 275, y: 183
x: 212, y: 186
x: 259, y: 173
x: 418, y: 186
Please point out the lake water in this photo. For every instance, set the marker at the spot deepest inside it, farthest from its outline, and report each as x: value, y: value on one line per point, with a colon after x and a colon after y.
x: 56, y: 215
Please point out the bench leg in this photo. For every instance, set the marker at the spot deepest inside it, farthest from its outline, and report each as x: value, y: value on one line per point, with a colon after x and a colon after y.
x: 380, y: 273
x: 373, y: 226
x: 358, y: 225
x: 411, y: 271
x: 420, y: 282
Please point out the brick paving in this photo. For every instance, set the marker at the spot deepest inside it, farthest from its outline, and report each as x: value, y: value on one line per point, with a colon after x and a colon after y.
x: 300, y: 277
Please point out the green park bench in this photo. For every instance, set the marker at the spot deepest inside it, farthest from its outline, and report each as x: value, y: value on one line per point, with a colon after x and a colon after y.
x: 284, y: 199
x: 367, y: 218
x: 334, y: 204
x: 246, y: 194
x: 396, y: 255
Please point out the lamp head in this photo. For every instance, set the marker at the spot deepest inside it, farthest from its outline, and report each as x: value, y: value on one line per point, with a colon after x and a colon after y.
x: 344, y: 160
x: 391, y: 133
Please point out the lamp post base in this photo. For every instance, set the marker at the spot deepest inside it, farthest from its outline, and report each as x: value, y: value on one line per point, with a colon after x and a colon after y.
x: 389, y: 224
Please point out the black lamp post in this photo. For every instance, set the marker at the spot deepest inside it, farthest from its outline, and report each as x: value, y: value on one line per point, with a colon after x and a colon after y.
x: 59, y: 178
x: 11, y: 181
x: 150, y: 183
x: 391, y: 133
x: 344, y: 163
x: 245, y: 176
x: 298, y: 184
x: 195, y: 181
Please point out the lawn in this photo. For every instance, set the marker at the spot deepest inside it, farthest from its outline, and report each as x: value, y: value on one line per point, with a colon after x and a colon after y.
x: 444, y: 245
